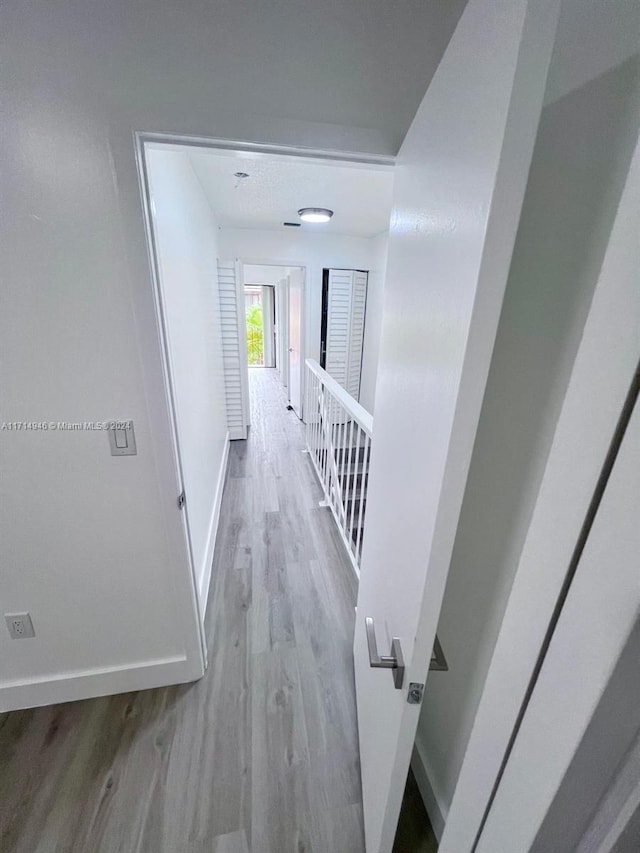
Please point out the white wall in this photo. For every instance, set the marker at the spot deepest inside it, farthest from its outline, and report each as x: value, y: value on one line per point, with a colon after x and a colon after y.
x: 93, y: 545
x: 313, y: 250
x: 581, y: 159
x: 373, y: 320
x: 186, y: 240
x: 262, y: 274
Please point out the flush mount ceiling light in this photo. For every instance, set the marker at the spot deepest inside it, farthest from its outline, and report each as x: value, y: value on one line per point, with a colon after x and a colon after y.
x: 315, y: 214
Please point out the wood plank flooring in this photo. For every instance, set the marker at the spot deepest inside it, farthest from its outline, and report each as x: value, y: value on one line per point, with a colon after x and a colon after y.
x: 260, y: 756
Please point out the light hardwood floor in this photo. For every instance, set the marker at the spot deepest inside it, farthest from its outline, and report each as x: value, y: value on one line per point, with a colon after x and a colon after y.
x: 260, y: 756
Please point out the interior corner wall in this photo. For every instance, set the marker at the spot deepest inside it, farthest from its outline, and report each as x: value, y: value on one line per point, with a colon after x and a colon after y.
x: 581, y: 159
x: 186, y: 246
x: 373, y: 320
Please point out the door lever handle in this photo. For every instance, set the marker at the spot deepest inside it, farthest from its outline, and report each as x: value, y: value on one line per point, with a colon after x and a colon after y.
x: 394, y: 661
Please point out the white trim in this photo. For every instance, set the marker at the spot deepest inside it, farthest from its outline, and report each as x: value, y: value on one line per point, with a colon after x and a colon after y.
x: 352, y: 406
x: 270, y: 262
x: 605, y: 363
x: 182, y: 548
x: 236, y: 433
x: 436, y: 809
x: 205, y: 581
x: 98, y: 681
x: 384, y: 162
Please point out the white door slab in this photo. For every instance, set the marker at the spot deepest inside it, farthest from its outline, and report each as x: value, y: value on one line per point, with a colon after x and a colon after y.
x: 459, y: 185
x: 606, y: 360
x: 296, y: 283
x: 339, y: 299
x: 600, y: 613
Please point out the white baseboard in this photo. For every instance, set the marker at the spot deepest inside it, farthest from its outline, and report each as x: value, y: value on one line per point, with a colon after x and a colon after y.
x: 435, y: 809
x: 205, y: 574
x: 101, y: 681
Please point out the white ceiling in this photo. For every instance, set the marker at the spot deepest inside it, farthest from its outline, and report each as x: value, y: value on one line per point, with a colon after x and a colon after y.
x: 341, y: 74
x: 350, y: 71
x: 278, y: 186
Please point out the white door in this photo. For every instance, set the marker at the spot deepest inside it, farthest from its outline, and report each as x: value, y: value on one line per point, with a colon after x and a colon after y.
x: 346, y: 307
x: 582, y: 716
x: 339, y: 299
x: 459, y: 184
x: 296, y: 283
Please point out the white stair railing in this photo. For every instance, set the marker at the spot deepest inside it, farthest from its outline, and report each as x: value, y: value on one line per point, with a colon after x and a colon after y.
x: 338, y: 435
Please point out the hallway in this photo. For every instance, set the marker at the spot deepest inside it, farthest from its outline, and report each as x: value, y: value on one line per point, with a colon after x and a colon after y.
x: 260, y: 756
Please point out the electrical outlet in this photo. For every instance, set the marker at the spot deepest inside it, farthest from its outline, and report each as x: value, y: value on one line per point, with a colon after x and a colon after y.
x: 20, y: 626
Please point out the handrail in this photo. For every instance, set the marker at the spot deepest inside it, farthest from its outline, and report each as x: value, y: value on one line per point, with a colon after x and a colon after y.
x: 351, y: 405
x: 338, y: 435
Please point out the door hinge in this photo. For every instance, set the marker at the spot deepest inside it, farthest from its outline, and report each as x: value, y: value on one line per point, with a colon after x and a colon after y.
x: 414, y: 696
x: 181, y: 500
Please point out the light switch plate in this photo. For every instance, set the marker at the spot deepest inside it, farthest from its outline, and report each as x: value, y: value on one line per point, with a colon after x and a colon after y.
x: 122, y: 438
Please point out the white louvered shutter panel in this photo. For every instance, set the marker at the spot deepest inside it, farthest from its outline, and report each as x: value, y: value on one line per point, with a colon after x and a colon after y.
x: 231, y: 348
x: 356, y: 336
x: 338, y: 324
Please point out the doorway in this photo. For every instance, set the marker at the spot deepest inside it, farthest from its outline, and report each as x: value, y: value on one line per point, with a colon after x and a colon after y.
x: 259, y: 306
x: 275, y: 305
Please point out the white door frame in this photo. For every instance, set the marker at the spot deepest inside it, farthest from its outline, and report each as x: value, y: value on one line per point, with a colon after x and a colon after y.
x: 152, y: 329
x: 606, y: 361
x: 270, y: 262
x: 183, y: 543
x: 598, y: 614
x: 294, y: 151
x: 166, y: 442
